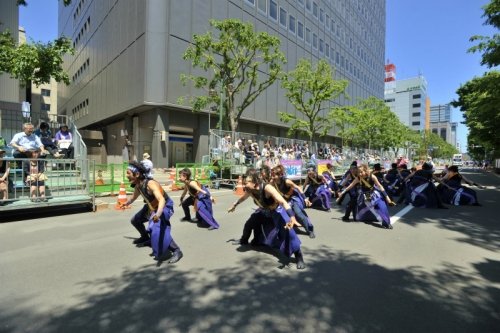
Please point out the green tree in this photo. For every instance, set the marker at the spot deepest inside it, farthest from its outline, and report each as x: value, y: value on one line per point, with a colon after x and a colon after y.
x: 489, y: 46
x: 310, y: 89
x: 479, y: 98
x: 242, y: 63
x: 35, y: 62
x: 342, y: 118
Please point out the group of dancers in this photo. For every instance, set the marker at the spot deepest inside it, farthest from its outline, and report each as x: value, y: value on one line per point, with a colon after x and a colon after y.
x: 282, y: 203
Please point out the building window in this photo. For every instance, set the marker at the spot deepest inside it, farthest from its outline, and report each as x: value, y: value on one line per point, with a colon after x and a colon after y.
x: 291, y: 24
x: 321, y: 15
x: 435, y: 130
x: 308, y: 36
x: 283, y: 17
x: 262, y: 6
x: 301, y: 2
x: 415, y: 123
x: 250, y: 2
x: 415, y: 114
x: 321, y: 45
x: 327, y: 50
x: 300, y: 30
x: 416, y: 105
x: 308, y: 5
x: 45, y: 107
x: 315, y: 9
x: 273, y: 10
x: 416, y: 96
x: 315, y: 41
x: 327, y: 22
x: 45, y: 92
x: 390, y: 100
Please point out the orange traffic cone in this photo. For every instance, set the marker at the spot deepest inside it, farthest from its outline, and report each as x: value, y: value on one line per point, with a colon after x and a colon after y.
x: 122, y: 198
x: 173, y: 176
x: 239, y: 190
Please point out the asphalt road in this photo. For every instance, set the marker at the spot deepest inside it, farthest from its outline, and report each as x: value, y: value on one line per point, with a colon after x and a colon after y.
x: 436, y: 271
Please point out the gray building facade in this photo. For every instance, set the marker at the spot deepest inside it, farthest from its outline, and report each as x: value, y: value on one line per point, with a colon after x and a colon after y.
x: 125, y: 72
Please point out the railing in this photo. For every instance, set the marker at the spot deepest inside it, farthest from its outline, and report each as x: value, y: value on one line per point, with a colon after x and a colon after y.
x: 63, y: 182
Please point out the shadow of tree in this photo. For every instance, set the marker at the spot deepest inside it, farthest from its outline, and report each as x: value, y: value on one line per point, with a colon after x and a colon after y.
x: 339, y: 292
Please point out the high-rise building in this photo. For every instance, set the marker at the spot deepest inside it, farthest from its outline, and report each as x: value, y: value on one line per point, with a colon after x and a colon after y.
x: 407, y: 98
x: 440, y: 113
x: 125, y: 72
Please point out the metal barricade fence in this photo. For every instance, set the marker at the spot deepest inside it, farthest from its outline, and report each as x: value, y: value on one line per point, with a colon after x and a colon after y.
x: 59, y: 181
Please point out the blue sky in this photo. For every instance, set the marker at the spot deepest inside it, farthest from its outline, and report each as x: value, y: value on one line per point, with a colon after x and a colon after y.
x: 430, y: 37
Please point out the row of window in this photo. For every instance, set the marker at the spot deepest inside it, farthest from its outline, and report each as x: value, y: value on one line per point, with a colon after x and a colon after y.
x: 83, y: 68
x: 81, y: 110
x: 82, y: 33
x: 78, y: 10
x: 45, y: 92
x: 296, y: 27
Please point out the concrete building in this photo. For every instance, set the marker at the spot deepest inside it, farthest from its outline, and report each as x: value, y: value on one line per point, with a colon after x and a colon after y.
x: 125, y: 72
x: 408, y: 99
x: 9, y: 19
x: 440, y: 123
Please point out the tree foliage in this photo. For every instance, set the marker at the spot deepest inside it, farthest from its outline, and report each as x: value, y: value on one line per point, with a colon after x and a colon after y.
x: 479, y: 98
x: 310, y: 89
x: 489, y: 46
x: 35, y: 62
x: 238, y: 61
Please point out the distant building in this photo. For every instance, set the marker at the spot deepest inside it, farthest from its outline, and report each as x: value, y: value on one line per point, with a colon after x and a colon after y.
x: 440, y: 123
x: 407, y: 98
x: 125, y: 72
x: 43, y: 99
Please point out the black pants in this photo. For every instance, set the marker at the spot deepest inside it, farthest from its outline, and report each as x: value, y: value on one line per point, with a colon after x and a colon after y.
x: 185, y: 206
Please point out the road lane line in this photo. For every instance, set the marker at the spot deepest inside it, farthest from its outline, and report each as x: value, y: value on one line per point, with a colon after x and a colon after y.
x: 395, y: 218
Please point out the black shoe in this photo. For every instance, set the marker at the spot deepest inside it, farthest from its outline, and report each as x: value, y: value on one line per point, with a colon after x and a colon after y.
x: 185, y: 219
x: 141, y: 240
x: 311, y: 234
x: 345, y: 219
x: 387, y: 226
x: 175, y: 257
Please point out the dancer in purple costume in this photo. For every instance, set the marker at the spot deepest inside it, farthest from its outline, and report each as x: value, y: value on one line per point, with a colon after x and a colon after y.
x: 330, y: 180
x: 371, y: 198
x: 421, y: 191
x: 273, y: 222
x: 158, y: 210
x: 200, y: 198
x: 455, y: 193
x: 294, y: 196
x: 316, y: 191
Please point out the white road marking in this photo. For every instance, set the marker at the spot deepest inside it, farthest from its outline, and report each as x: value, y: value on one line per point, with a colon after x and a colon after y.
x: 395, y: 218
